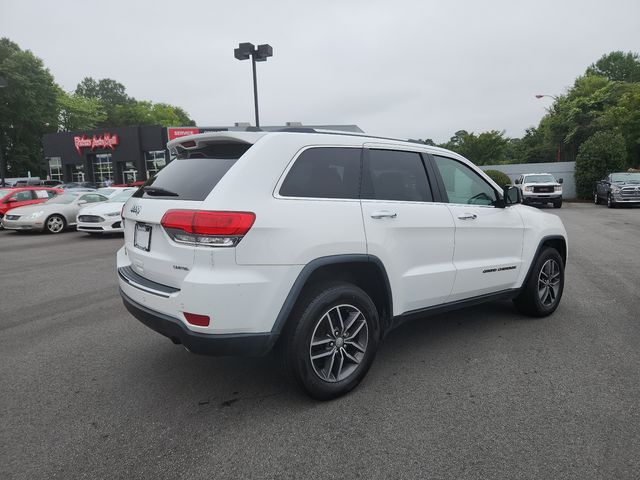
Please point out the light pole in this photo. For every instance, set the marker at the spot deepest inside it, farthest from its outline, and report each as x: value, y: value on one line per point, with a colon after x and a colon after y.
x: 257, y: 54
x: 3, y: 83
x: 539, y: 96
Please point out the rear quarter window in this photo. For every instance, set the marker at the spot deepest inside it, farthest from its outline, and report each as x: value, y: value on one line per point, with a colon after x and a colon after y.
x: 324, y: 172
x: 193, y: 173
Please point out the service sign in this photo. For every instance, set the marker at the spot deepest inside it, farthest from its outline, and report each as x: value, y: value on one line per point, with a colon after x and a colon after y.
x: 177, y: 132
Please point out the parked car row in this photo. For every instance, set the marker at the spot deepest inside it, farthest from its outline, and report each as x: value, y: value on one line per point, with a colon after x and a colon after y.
x: 53, y: 209
x: 616, y: 189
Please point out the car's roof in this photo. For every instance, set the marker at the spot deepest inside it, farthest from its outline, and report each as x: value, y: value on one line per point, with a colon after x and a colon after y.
x: 253, y: 136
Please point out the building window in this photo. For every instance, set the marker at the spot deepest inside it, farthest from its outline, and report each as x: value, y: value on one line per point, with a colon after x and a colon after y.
x: 129, y: 172
x: 155, y: 162
x: 103, y: 169
x: 55, y: 168
x: 77, y: 173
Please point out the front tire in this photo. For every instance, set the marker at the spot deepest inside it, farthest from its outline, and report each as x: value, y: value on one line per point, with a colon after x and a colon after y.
x: 610, y: 202
x: 331, y: 339
x: 55, y: 224
x: 541, y: 295
x: 557, y: 204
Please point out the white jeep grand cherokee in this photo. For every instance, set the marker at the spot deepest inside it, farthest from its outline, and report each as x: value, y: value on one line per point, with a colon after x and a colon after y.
x: 320, y: 243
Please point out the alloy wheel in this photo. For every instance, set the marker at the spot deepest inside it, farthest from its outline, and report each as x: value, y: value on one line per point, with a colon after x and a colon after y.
x: 55, y: 224
x: 549, y: 283
x: 339, y: 343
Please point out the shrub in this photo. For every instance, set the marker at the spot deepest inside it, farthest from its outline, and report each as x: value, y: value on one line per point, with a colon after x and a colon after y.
x: 499, y: 177
x: 602, y: 153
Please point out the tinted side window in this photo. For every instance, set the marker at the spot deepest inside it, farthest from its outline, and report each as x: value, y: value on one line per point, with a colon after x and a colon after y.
x: 462, y: 184
x: 395, y: 175
x: 324, y: 172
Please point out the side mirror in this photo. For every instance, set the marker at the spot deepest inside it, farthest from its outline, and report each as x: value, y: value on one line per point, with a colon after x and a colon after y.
x: 510, y: 196
x: 82, y: 202
x: 560, y: 181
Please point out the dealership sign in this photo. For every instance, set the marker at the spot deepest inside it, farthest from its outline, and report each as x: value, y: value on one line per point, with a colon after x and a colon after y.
x: 104, y: 140
x: 177, y: 132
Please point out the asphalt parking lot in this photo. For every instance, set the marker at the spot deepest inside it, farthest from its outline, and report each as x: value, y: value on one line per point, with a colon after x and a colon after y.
x: 88, y: 392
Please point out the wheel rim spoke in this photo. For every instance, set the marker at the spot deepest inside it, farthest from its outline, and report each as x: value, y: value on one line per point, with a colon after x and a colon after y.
x: 549, y: 283
x: 324, y: 341
x: 339, y: 343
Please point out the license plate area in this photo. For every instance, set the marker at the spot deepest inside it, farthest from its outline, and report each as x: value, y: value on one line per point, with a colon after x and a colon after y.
x: 142, y: 236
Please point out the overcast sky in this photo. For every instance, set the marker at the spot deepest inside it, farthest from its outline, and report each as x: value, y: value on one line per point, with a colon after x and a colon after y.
x: 419, y: 69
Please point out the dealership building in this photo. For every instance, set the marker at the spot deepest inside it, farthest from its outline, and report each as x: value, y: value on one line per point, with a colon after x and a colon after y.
x: 126, y: 154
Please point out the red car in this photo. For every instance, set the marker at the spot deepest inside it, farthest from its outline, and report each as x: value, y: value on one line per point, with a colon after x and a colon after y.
x: 19, y: 197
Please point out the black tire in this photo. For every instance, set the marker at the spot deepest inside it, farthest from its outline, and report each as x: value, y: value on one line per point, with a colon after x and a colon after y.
x: 307, y: 318
x: 596, y: 198
x: 529, y: 300
x: 557, y: 204
x: 610, y: 202
x: 55, y: 224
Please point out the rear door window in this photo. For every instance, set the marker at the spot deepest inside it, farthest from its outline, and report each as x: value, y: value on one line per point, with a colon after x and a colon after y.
x: 324, y: 172
x: 395, y: 175
x: 194, y: 172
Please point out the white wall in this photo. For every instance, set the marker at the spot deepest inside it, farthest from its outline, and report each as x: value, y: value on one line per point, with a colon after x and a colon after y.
x: 564, y: 170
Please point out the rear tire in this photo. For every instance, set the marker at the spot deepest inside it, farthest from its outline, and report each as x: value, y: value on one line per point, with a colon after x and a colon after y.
x: 331, y: 339
x: 541, y: 295
x: 596, y: 198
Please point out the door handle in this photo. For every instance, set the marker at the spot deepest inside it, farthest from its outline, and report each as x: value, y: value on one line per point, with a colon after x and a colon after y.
x: 384, y: 214
x: 467, y: 216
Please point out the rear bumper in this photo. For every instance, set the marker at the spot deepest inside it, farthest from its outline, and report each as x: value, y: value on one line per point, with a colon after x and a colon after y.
x: 242, y: 344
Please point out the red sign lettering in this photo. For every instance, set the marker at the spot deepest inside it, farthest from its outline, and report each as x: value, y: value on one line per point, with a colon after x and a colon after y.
x: 104, y: 140
x: 174, y: 132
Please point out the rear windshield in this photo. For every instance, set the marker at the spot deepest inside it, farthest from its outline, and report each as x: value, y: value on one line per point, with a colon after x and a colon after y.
x: 193, y: 173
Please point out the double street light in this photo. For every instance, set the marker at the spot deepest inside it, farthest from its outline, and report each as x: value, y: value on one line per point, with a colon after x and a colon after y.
x: 257, y: 54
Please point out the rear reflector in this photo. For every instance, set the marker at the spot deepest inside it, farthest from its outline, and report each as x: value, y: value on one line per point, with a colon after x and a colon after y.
x: 204, y: 227
x: 195, y: 319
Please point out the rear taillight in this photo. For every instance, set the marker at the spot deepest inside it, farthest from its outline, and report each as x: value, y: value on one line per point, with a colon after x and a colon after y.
x: 207, y: 228
x: 196, y: 319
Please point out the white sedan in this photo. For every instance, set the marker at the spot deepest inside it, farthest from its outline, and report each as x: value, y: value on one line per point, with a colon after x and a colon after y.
x: 54, y: 215
x: 104, y: 217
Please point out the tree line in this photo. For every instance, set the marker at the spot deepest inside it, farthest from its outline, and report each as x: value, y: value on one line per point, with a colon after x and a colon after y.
x: 32, y: 104
x: 595, y: 123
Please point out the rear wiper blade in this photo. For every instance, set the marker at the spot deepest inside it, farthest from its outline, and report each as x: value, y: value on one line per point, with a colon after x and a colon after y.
x: 159, y: 191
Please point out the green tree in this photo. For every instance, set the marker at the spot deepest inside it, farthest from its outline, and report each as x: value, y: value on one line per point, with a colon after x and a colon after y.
x: 499, y: 177
x: 617, y: 66
x: 121, y: 110
x: 624, y: 118
x: 108, y: 91
x: 148, y: 113
x: 602, y: 153
x: 483, y: 149
x: 78, y: 113
x: 28, y: 109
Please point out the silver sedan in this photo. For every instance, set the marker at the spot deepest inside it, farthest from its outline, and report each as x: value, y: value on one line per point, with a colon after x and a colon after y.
x: 54, y: 215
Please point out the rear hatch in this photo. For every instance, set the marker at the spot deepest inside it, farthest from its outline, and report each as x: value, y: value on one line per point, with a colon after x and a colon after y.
x: 182, y: 185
